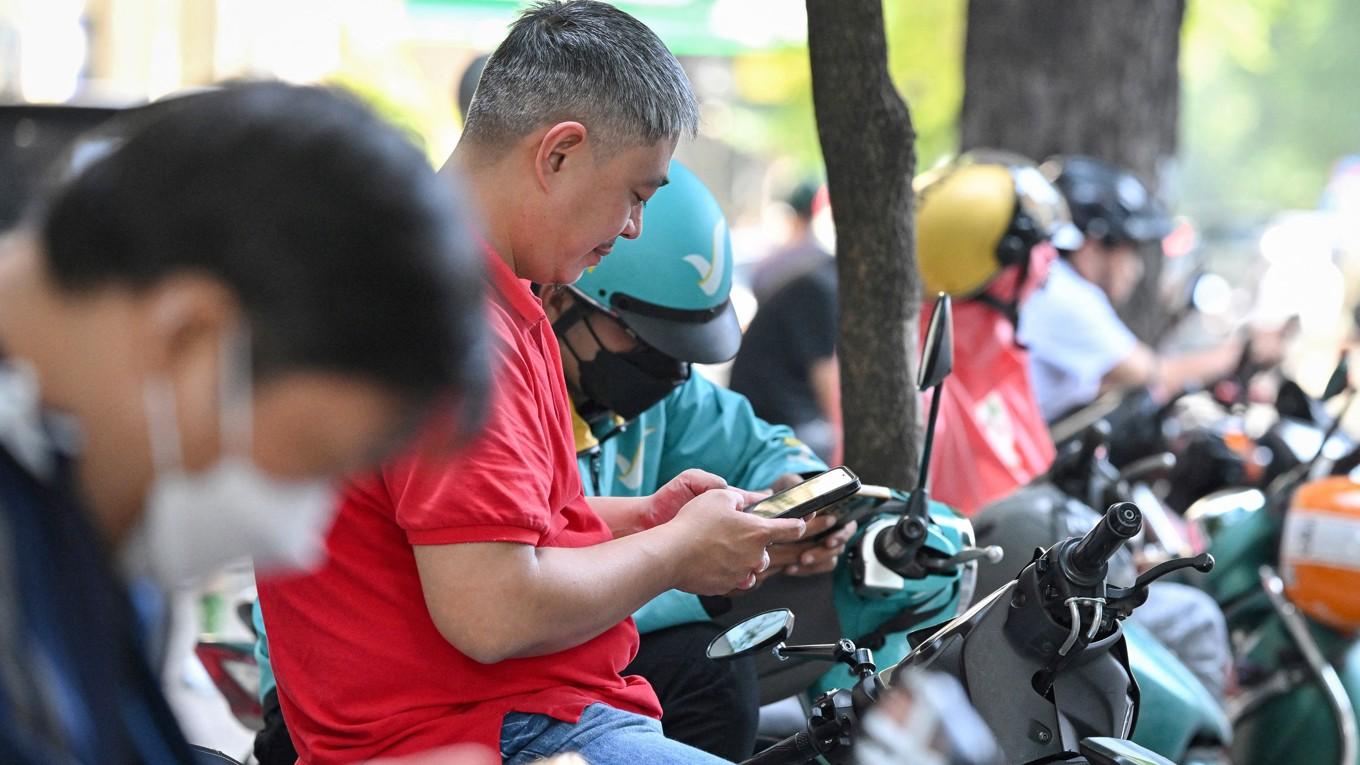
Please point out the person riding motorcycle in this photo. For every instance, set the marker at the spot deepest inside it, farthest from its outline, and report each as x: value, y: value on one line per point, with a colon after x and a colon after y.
x: 629, y: 330
x: 1079, y: 347
x: 667, y: 293
x: 984, y: 226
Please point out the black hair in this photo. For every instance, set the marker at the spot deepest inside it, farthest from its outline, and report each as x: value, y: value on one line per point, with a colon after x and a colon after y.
x: 346, y: 252
x: 802, y: 198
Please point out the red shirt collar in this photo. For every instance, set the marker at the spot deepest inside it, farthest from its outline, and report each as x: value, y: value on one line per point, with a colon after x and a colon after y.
x: 512, y: 290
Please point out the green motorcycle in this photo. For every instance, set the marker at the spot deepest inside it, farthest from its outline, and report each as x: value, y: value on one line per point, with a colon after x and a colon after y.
x: 1298, y: 677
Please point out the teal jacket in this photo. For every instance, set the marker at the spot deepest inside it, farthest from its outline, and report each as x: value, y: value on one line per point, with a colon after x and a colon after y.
x: 699, y: 425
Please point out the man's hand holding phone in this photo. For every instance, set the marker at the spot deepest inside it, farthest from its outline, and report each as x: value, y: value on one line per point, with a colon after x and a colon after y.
x: 677, y: 492
x: 725, y: 548
x: 728, y: 532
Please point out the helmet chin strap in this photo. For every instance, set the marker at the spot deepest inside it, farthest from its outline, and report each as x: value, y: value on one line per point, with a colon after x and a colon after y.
x: 1010, y: 307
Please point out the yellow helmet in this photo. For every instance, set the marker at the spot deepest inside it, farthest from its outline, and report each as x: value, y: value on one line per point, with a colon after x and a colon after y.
x: 981, y: 213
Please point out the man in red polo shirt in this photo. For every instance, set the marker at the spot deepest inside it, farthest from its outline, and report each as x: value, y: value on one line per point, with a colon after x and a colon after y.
x: 483, y: 598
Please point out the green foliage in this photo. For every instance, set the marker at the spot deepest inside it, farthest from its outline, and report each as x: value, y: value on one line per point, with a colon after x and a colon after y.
x: 925, y: 58
x: 925, y: 55
x: 1270, y: 96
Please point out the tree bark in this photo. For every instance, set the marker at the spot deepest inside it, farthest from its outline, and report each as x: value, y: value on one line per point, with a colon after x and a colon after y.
x: 1044, y: 77
x: 868, y: 144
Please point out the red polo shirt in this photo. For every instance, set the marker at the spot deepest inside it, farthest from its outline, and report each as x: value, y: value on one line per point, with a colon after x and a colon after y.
x: 362, y: 671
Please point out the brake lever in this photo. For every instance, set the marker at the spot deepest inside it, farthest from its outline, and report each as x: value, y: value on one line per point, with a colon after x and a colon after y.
x: 1125, y: 599
x: 990, y: 553
x: 1203, y: 563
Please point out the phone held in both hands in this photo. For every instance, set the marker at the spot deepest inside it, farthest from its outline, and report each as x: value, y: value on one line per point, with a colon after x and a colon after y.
x: 809, y: 496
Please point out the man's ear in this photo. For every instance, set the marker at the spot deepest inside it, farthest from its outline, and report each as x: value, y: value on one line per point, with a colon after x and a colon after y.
x: 562, y: 143
x: 181, y: 311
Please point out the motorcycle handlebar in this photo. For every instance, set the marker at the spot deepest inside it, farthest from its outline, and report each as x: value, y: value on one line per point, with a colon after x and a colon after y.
x: 1094, y: 550
x: 797, y: 748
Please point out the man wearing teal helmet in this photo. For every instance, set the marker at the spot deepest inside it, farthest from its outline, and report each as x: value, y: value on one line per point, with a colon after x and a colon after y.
x: 629, y: 330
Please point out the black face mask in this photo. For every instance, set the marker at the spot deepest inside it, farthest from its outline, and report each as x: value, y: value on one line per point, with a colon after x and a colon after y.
x: 627, y: 383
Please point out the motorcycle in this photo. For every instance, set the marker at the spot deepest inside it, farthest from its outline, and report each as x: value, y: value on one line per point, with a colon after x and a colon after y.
x: 1043, y: 659
x: 1297, y: 677
x: 231, y: 665
x: 897, y: 553
x: 1185, y: 721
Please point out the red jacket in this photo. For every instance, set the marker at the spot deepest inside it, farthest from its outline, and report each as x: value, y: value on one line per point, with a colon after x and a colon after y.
x: 991, y: 438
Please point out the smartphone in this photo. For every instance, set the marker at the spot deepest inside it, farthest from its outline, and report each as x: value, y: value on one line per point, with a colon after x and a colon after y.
x: 809, y: 496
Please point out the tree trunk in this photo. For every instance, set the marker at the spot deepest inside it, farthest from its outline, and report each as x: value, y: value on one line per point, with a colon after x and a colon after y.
x: 1044, y: 77
x: 869, y: 148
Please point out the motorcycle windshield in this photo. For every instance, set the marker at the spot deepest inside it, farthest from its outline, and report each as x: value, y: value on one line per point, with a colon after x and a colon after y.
x: 958, y: 628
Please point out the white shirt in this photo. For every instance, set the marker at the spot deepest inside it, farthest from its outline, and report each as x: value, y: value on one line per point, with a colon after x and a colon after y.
x: 1074, y: 338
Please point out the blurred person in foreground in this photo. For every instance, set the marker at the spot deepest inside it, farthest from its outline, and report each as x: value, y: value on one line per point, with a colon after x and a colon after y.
x: 185, y: 373
x: 1079, y: 347
x: 485, y: 599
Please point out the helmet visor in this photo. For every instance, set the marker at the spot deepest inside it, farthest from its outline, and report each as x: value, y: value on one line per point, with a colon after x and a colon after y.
x: 699, y: 337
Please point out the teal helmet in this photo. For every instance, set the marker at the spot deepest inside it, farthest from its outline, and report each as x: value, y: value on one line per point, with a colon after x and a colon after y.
x: 670, y: 286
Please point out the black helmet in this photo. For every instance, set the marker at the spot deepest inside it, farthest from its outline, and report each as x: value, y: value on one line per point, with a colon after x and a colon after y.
x: 1107, y: 203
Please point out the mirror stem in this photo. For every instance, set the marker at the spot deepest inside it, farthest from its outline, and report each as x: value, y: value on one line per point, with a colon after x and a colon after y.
x: 927, y: 446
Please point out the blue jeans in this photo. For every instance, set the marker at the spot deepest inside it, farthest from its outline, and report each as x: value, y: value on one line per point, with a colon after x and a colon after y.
x: 603, y: 736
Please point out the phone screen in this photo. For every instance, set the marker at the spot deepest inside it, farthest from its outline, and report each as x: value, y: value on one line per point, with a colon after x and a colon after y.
x: 790, y: 498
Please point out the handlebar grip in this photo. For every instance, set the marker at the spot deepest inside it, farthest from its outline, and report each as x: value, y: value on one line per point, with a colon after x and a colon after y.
x: 797, y: 748
x: 1094, y: 550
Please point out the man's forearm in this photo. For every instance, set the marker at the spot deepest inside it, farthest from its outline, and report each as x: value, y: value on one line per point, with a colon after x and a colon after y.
x: 623, y: 515
x: 503, y: 601
x: 1199, y: 367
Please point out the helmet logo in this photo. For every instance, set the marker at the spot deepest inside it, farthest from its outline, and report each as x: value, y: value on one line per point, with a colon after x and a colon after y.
x: 711, y: 273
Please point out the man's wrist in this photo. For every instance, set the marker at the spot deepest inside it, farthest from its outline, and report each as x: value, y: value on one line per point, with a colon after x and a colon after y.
x: 667, y: 549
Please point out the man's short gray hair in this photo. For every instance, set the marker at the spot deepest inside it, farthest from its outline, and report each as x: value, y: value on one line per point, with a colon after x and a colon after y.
x: 583, y: 61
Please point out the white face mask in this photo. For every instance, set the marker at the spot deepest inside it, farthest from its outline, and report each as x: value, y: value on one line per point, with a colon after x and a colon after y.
x: 196, y: 523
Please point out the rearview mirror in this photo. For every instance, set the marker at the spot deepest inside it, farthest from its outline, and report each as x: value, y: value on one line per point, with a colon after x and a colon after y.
x: 759, y: 632
x: 937, y: 357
